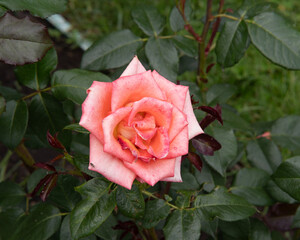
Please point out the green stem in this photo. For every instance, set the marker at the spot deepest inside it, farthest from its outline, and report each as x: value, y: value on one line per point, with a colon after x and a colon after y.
x: 26, y: 157
x: 153, y: 196
x: 201, y: 76
x: 36, y: 93
x: 226, y: 16
x: 3, y: 165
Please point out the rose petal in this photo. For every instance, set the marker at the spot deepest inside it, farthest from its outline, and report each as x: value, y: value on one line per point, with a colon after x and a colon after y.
x: 111, y: 144
x: 147, y: 122
x: 96, y: 107
x: 142, y: 144
x: 134, y: 67
x: 153, y: 171
x: 145, y: 156
x: 146, y: 134
x: 107, y: 165
x: 129, y: 89
x: 194, y: 127
x: 177, y: 173
x: 161, y: 110
x: 179, y: 121
x: 180, y: 145
x: 175, y: 94
x: 159, y: 146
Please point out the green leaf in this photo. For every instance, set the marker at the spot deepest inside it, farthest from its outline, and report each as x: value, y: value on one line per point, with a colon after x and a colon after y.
x: 106, y: 231
x: 41, y: 223
x: 251, y: 177
x: 287, y: 177
x: 255, y: 196
x: 249, y: 183
x: 278, y: 194
x: 130, y: 202
x: 296, y: 219
x: 286, y: 132
x: 10, y: 93
x: 223, y: 157
x: 205, y: 177
x: 82, y: 163
x: 232, y: 119
x: 34, y: 178
x: 22, y: 40
x: 46, y: 113
x: 112, y: 51
x: 275, y: 39
x: 176, y: 21
x: 64, y: 195
x: 11, y: 194
x: 189, y: 182
x: 186, y: 45
x: 209, y: 226
x: 13, y: 123
x: 37, y: 75
x: 224, y: 205
x: 42, y: 8
x: 155, y: 211
x: 8, y: 221
x: 73, y: 84
x: 220, y: 93
x: 259, y: 231
x: 264, y: 154
x: 77, y: 128
x: 163, y: 57
x: 65, y: 232
x: 232, y: 43
x: 2, y: 105
x: 182, y: 224
x: 94, y: 209
x: 237, y: 230
x: 149, y: 20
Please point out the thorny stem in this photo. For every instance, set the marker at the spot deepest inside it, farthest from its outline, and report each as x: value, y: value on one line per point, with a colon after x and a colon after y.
x: 201, y: 76
x: 151, y: 195
x: 36, y: 93
x: 215, y: 28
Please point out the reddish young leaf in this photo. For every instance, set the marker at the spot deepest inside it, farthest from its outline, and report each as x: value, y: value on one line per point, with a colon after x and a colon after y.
x: 195, y: 160
x: 50, y: 184
x: 213, y: 114
x: 53, y: 141
x: 206, y: 144
x: 42, y: 182
x: 45, y: 166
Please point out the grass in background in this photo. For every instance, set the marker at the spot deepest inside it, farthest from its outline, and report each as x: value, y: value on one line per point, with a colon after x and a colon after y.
x: 265, y: 91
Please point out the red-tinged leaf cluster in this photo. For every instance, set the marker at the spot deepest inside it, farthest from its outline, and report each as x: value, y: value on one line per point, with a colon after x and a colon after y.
x: 195, y: 160
x: 54, y: 142
x: 206, y: 144
x: 213, y: 114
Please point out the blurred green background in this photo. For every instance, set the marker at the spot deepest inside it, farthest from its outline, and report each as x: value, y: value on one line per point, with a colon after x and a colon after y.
x: 265, y: 91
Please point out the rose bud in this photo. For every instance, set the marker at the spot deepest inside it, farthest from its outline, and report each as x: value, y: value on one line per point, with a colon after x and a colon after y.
x: 140, y: 126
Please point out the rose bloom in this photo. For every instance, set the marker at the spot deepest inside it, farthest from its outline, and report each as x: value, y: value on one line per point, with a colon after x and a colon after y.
x: 140, y: 126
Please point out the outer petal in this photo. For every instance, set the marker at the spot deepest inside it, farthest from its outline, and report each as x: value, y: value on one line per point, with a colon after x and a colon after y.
x: 153, y: 171
x: 111, y: 144
x: 96, y: 107
x: 134, y: 67
x: 110, y: 167
x: 194, y: 127
x: 179, y: 121
x: 129, y: 89
x: 180, y: 145
x: 175, y: 94
x: 161, y: 110
x: 177, y: 173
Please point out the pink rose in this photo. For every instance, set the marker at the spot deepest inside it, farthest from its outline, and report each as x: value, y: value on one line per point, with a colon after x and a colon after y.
x: 140, y: 126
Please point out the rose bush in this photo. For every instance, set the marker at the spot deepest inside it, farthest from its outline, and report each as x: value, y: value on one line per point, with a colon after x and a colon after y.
x: 140, y: 126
